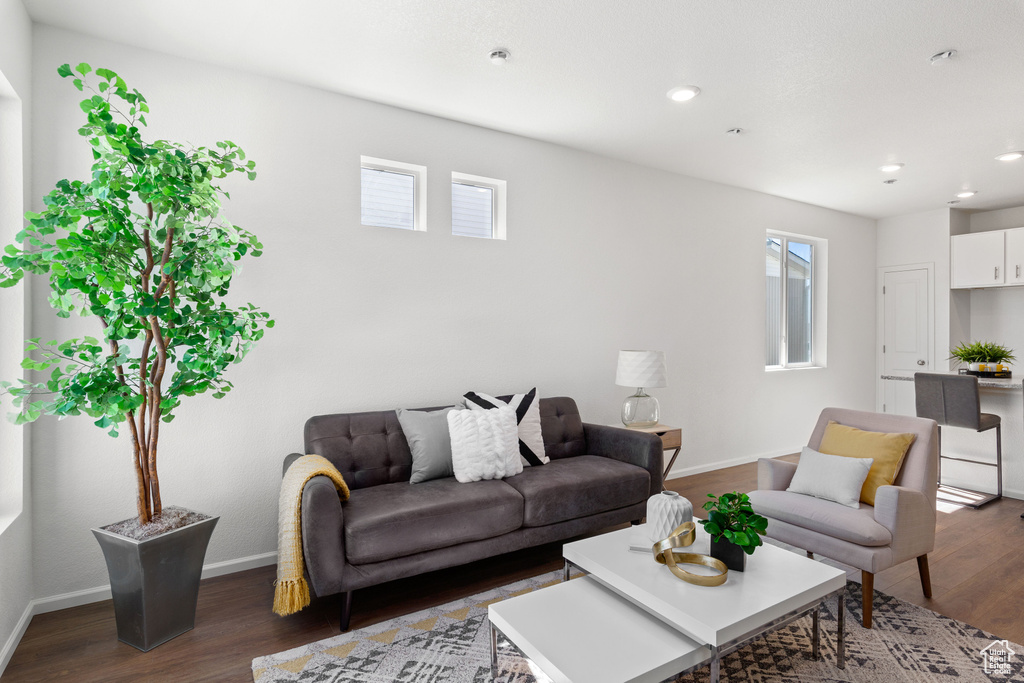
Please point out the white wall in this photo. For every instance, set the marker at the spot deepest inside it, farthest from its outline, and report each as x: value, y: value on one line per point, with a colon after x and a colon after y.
x: 601, y: 255
x: 16, y: 588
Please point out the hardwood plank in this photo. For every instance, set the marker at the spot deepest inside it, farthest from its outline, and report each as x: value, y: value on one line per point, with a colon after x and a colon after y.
x: 975, y: 571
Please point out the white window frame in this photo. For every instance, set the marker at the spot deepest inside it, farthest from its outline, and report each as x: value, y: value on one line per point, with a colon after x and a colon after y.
x: 819, y: 300
x: 13, y: 330
x: 499, y: 201
x: 419, y: 187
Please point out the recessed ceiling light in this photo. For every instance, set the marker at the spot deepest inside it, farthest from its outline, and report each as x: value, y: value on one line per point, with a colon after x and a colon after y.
x: 683, y: 93
x: 890, y: 181
x: 734, y: 131
x: 890, y: 168
x: 940, y: 58
x: 1010, y: 156
x: 499, y: 56
x: 966, y: 194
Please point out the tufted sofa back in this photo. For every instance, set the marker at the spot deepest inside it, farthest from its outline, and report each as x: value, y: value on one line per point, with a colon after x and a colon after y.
x: 369, y: 449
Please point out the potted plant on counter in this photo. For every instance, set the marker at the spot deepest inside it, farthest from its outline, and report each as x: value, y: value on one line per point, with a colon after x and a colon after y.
x: 141, y: 247
x: 734, y: 527
x: 982, y: 356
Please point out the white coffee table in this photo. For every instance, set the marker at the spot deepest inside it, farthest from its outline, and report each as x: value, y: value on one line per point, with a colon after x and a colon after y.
x: 580, y: 631
x: 777, y: 587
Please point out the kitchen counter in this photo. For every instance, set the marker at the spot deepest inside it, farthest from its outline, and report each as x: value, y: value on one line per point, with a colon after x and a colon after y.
x: 986, y: 382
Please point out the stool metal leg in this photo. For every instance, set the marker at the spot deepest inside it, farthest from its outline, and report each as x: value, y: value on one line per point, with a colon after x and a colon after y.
x: 999, y: 460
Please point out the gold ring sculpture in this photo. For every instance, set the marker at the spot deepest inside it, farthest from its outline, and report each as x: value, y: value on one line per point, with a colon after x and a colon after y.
x: 682, y: 536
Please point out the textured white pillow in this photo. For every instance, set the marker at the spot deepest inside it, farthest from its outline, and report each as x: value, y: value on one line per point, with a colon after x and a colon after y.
x: 832, y: 477
x: 527, y: 407
x: 485, y: 444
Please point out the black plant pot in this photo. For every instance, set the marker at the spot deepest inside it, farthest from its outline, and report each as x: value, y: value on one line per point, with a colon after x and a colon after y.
x: 155, y: 582
x: 729, y: 553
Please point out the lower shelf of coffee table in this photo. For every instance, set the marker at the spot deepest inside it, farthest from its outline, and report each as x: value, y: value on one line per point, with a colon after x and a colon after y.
x: 580, y: 631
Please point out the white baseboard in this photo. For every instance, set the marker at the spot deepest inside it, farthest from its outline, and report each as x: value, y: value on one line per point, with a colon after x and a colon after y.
x: 12, y: 642
x: 99, y: 593
x: 239, y: 565
x: 89, y: 595
x: 1013, y: 493
x: 678, y: 471
x: 72, y: 599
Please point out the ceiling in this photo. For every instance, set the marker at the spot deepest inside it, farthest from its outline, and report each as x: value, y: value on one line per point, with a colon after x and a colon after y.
x: 825, y: 91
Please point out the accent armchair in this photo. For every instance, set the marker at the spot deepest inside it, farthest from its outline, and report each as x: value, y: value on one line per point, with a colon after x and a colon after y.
x: 900, y: 526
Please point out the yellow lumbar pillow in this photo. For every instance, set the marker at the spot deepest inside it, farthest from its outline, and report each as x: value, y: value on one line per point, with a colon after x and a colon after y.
x: 887, y: 450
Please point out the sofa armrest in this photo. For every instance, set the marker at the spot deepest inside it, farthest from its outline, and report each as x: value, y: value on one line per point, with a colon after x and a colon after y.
x: 636, y: 448
x: 906, y: 513
x: 288, y: 460
x: 774, y: 475
x: 323, y: 535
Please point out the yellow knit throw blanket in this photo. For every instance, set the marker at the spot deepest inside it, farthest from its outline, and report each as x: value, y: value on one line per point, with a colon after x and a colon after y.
x: 291, y: 592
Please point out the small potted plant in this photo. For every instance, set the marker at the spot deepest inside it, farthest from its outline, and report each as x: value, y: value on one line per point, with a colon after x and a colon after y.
x: 735, y: 528
x: 982, y: 356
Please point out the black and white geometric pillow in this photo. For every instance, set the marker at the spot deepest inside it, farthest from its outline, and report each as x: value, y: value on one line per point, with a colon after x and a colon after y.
x: 527, y: 407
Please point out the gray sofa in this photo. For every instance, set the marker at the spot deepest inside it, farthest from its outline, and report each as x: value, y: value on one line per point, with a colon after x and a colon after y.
x: 389, y: 529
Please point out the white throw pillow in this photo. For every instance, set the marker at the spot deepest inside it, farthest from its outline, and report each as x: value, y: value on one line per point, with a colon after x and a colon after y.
x: 484, y: 444
x: 831, y: 477
x: 527, y: 407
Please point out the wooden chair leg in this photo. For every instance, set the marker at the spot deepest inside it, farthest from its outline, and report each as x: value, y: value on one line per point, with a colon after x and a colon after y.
x: 926, y: 579
x: 867, y: 582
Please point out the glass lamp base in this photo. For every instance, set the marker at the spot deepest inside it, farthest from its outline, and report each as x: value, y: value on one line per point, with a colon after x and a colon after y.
x: 640, y: 410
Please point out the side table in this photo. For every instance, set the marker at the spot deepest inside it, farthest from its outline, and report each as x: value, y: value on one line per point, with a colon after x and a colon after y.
x: 671, y: 437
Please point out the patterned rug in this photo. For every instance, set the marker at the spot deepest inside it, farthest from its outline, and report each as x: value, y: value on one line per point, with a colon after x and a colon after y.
x: 451, y: 643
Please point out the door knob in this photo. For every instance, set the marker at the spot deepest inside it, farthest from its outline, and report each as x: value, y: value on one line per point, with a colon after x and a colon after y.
x: 920, y: 362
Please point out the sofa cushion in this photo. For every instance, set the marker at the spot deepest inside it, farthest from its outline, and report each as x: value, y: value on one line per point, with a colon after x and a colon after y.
x: 570, y: 488
x: 395, y: 520
x: 562, y: 427
x: 850, y: 524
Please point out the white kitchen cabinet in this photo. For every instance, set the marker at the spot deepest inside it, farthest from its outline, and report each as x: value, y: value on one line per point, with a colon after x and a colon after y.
x: 1015, y: 256
x: 978, y: 259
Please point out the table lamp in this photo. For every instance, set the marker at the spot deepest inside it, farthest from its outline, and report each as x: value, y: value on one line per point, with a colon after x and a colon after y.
x: 641, y: 369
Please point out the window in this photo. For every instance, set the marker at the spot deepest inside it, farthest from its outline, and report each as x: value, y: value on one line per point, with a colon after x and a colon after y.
x: 392, y: 194
x: 12, y: 308
x: 793, y: 266
x: 478, y: 206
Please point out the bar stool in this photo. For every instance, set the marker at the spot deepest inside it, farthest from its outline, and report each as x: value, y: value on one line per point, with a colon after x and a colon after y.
x: 953, y: 401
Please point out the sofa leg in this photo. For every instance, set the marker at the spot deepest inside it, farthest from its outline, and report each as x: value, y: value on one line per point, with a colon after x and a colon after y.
x: 926, y: 579
x: 346, y: 610
x: 638, y: 522
x: 867, y: 583
x: 810, y: 555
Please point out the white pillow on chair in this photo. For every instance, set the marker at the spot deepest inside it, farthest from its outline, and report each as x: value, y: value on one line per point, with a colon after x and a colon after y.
x: 831, y: 477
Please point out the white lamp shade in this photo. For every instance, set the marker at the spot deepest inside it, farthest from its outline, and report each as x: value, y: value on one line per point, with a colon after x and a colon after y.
x: 641, y: 369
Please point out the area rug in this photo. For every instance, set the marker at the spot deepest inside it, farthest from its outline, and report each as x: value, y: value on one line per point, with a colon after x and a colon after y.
x: 451, y: 643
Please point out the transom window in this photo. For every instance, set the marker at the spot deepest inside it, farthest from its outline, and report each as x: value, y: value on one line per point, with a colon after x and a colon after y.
x: 478, y: 206
x: 393, y: 194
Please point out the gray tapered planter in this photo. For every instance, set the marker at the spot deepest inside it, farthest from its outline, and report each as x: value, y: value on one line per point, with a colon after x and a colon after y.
x: 155, y: 582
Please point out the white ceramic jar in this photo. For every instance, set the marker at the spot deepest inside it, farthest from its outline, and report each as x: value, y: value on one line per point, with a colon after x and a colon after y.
x: 666, y: 511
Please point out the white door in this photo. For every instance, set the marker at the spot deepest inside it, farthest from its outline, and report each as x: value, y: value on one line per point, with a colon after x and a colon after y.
x: 906, y: 336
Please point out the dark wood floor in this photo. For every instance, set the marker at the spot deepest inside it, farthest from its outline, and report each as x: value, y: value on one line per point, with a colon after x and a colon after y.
x: 975, y: 568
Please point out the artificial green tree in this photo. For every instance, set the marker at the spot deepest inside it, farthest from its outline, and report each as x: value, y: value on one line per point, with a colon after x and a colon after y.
x: 141, y: 246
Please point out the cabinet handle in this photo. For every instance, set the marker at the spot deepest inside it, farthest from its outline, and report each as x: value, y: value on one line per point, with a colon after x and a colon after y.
x: 997, y: 273
x: 1018, y: 272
